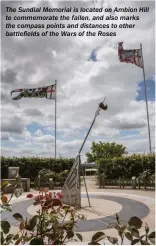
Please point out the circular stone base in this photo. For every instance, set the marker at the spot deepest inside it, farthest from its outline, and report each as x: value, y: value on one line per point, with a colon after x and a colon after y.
x: 98, y: 216
x: 97, y: 210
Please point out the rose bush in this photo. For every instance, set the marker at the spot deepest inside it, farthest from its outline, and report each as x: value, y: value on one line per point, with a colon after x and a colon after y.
x: 53, y: 224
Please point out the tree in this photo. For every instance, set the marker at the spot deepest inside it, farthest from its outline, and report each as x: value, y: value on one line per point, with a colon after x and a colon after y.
x: 107, y: 150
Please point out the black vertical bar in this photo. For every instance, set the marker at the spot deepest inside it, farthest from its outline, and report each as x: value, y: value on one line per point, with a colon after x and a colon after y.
x: 85, y: 186
x: 55, y: 115
x: 145, y: 87
x: 96, y: 114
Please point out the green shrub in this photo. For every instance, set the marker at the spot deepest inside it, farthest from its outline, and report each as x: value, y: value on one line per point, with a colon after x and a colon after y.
x: 126, y: 166
x: 45, y: 175
x: 30, y: 167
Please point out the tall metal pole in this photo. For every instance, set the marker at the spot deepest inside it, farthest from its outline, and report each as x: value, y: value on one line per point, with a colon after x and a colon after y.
x: 149, y: 134
x: 86, y: 187
x: 55, y: 114
x: 78, y: 184
x: 78, y: 156
x: 78, y: 160
x: 96, y: 114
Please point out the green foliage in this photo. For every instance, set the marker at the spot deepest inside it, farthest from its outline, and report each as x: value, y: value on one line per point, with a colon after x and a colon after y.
x: 105, y: 150
x: 136, y: 222
x: 30, y: 167
x: 129, y: 231
x: 5, y: 225
x: 17, y: 190
x: 53, y: 224
x: 45, y: 174
x: 112, y: 240
x: 37, y: 241
x: 18, y: 217
x: 98, y: 236
x: 146, y: 175
x: 79, y: 236
x: 129, y: 166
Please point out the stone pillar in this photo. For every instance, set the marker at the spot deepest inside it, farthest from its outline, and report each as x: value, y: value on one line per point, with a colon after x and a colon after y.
x: 134, y: 182
x: 51, y: 184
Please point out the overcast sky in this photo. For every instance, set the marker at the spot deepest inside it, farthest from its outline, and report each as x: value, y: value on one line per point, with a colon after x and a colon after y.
x: 87, y: 69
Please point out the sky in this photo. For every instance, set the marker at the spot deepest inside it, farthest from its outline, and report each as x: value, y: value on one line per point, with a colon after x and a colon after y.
x: 86, y: 69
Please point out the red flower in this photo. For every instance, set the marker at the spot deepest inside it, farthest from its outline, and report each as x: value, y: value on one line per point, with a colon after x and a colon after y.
x: 50, y: 194
x: 29, y: 195
x: 59, y: 195
x: 56, y: 202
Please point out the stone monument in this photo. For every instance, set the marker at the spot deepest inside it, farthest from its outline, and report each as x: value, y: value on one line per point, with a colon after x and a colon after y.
x: 13, y: 173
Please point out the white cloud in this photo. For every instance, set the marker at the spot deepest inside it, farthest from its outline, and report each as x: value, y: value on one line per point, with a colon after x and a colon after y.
x: 38, y: 133
x: 45, y: 139
x: 54, y: 53
x: 82, y: 84
x: 5, y: 136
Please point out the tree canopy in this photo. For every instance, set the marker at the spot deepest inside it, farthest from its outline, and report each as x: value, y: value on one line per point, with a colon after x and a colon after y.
x: 107, y: 150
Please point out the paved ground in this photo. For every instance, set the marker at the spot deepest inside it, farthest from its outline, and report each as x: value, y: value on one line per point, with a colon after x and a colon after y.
x: 104, y: 204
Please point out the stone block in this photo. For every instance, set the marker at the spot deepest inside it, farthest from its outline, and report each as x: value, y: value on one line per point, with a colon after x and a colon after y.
x: 25, y: 185
x: 13, y: 172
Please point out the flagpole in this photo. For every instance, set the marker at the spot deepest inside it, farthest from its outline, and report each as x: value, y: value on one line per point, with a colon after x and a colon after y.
x: 96, y: 114
x: 55, y: 113
x: 149, y: 134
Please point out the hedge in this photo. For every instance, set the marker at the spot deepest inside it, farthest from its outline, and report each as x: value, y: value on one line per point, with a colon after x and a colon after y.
x: 60, y: 177
x: 126, y: 166
x: 30, y: 167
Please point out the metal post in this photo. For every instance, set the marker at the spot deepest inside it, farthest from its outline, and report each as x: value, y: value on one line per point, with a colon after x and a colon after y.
x: 149, y: 135
x: 78, y: 183
x: 77, y: 160
x: 85, y: 186
x: 55, y: 113
x: 96, y: 114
